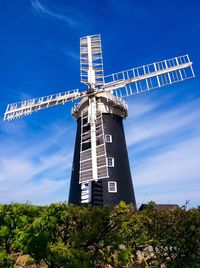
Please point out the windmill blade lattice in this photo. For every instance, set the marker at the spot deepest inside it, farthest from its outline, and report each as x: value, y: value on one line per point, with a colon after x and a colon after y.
x: 148, y: 77
x: 16, y: 110
x: 91, y: 61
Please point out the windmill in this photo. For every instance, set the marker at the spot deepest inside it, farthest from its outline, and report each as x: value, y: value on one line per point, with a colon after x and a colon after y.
x: 100, y: 171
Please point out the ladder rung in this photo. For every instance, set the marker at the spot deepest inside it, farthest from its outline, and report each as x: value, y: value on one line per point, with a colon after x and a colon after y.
x: 86, y: 133
x: 101, y: 155
x: 87, y: 141
x: 98, y: 126
x: 85, y: 125
x: 84, y: 117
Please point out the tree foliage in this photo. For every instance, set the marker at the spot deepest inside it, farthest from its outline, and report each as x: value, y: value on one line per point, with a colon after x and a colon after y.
x: 62, y: 235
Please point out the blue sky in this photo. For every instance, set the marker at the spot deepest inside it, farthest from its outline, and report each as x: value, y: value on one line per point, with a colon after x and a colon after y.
x: 40, y: 55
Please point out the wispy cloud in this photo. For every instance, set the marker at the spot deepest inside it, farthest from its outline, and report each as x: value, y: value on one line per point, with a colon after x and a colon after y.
x: 74, y: 55
x: 156, y: 123
x: 39, y: 7
x: 37, y: 169
x: 164, y: 147
x: 176, y: 164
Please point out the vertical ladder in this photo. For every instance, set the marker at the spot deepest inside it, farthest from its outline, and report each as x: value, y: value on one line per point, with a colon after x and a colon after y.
x: 85, y: 173
x: 85, y: 159
x: 102, y: 168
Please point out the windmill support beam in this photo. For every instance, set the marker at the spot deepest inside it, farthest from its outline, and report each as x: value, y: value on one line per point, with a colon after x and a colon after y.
x: 92, y: 122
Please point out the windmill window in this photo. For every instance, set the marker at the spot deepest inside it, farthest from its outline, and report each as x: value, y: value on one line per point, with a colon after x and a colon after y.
x: 110, y: 161
x: 112, y: 187
x: 108, y: 138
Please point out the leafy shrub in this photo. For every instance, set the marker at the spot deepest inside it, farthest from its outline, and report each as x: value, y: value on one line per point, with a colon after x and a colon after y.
x: 64, y: 235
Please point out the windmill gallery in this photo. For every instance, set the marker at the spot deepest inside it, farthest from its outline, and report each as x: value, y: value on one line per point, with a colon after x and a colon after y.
x: 100, y: 171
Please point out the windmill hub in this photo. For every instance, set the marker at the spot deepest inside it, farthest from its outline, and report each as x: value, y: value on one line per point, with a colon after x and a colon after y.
x: 106, y: 103
x: 100, y: 172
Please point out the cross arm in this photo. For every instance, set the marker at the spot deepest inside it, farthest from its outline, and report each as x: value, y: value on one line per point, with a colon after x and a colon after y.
x: 16, y: 110
x: 148, y: 77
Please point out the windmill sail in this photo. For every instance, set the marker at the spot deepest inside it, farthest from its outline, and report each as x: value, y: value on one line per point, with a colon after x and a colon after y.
x: 91, y: 61
x: 93, y: 156
x: 23, y: 108
x: 148, y: 77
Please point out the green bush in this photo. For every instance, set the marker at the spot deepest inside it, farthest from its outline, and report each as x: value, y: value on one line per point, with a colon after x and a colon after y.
x: 64, y: 235
x: 5, y: 259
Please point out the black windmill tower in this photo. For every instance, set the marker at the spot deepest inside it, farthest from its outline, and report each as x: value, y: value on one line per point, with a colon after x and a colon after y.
x: 100, y: 172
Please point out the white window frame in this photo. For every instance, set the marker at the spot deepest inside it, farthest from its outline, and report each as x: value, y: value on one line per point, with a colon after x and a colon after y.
x: 114, y: 183
x: 108, y: 138
x: 109, y: 158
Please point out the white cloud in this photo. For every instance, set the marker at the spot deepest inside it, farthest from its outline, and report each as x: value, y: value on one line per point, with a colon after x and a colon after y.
x: 41, y: 9
x: 164, y: 143
x: 141, y: 107
x: 37, y: 192
x: 74, y: 55
x: 161, y: 123
x: 177, y: 164
x: 36, y: 167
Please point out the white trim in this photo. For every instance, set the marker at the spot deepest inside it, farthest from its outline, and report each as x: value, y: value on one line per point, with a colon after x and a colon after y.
x: 112, y: 184
x: 108, y: 138
x: 92, y: 109
x: 110, y: 161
